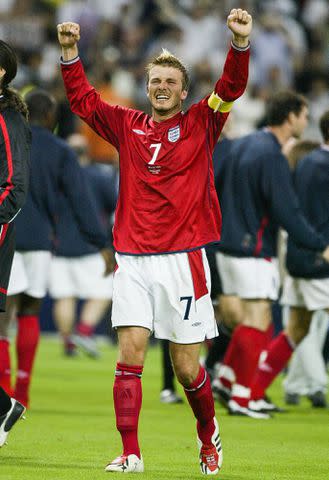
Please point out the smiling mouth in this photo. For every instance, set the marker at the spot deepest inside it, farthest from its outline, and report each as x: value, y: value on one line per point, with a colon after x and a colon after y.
x: 162, y: 97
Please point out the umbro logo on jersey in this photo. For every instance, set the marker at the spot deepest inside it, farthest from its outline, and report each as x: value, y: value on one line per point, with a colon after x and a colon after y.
x: 139, y: 132
x: 174, y: 134
x: 265, y: 367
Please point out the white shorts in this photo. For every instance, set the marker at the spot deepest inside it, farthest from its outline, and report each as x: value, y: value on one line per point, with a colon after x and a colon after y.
x: 29, y: 273
x: 312, y: 294
x: 80, y: 277
x: 248, y: 277
x: 167, y: 294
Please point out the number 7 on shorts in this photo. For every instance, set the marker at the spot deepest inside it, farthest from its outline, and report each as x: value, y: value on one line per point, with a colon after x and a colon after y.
x: 188, y: 306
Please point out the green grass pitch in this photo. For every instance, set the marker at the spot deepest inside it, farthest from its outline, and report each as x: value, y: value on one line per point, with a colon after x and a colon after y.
x: 69, y: 432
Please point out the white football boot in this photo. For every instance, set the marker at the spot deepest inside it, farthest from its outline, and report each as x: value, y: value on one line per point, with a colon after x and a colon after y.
x: 235, y: 409
x: 8, y: 420
x: 126, y: 464
x: 211, y: 456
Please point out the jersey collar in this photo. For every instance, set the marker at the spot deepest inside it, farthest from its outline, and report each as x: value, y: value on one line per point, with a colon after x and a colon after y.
x: 166, y: 123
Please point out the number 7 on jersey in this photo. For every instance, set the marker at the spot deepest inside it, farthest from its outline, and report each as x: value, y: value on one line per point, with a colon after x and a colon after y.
x: 157, y: 147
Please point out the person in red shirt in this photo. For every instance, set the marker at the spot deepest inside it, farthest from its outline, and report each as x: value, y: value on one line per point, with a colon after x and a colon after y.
x: 167, y: 212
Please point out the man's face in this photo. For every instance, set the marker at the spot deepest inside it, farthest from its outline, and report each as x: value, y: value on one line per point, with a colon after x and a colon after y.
x: 299, y: 122
x: 165, y: 90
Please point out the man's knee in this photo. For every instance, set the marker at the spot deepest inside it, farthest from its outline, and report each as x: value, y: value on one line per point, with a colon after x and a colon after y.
x: 298, y: 332
x: 186, y: 374
x: 29, y: 305
x: 131, y: 356
x: 258, y: 314
x: 231, y: 310
x: 185, y: 359
x: 132, y: 345
x: 299, y: 324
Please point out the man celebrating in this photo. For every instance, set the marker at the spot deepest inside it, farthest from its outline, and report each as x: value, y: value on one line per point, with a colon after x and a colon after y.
x: 166, y: 213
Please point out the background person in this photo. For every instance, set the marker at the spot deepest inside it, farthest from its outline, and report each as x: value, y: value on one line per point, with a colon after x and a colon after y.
x: 53, y: 166
x: 257, y: 195
x: 306, y: 372
x: 306, y: 287
x: 14, y: 175
x: 77, y: 269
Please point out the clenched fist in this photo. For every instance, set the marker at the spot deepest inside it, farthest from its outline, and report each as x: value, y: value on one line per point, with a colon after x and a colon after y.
x: 68, y: 34
x: 240, y: 23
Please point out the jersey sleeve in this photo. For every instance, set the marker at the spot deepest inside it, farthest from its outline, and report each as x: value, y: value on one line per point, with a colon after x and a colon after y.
x: 15, y: 166
x: 105, y: 119
x: 228, y: 88
x: 278, y: 190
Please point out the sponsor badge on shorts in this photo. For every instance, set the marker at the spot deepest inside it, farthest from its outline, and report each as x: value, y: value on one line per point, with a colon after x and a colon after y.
x: 174, y: 134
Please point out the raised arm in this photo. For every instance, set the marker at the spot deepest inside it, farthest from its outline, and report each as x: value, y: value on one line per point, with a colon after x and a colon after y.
x: 85, y: 101
x: 233, y: 80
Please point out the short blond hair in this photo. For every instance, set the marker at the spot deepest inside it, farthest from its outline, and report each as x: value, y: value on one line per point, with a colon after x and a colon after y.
x: 167, y: 59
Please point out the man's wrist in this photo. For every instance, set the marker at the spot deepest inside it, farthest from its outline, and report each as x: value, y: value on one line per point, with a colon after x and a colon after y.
x: 240, y: 42
x: 69, y: 53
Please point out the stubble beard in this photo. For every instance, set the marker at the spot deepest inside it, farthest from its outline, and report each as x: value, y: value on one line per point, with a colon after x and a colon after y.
x: 164, y: 111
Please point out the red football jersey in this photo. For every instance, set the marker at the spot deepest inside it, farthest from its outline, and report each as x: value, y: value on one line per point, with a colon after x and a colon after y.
x: 167, y: 198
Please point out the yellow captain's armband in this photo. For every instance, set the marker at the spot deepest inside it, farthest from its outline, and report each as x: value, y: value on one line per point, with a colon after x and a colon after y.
x: 218, y: 105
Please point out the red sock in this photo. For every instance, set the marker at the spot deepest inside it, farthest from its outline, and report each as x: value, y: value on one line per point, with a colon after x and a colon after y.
x: 248, y: 343
x: 199, y: 396
x: 277, y: 355
x: 85, y: 330
x: 5, y: 372
x: 27, y: 340
x: 234, y: 370
x: 230, y: 364
x: 127, y: 395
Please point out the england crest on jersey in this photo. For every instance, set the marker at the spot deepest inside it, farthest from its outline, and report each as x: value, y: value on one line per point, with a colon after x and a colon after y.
x: 174, y: 134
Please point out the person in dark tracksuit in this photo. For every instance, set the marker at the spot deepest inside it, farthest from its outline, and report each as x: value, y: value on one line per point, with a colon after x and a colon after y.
x: 54, y: 169
x: 77, y: 268
x: 257, y: 195
x: 228, y: 309
x: 15, y: 140
x: 306, y: 288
